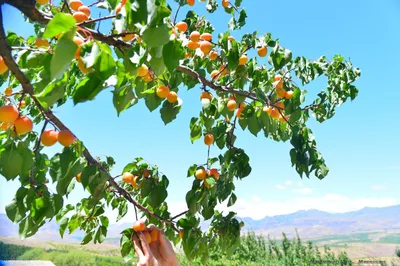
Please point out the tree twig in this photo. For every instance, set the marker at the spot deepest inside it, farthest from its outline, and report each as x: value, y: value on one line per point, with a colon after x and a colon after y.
x: 95, y: 20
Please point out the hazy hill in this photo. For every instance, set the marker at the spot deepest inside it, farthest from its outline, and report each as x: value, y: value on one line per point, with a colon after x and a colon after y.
x: 310, y: 224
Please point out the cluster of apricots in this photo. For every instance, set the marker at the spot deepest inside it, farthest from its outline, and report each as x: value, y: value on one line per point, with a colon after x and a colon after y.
x: 11, y: 118
x: 131, y: 179
x: 50, y: 137
x: 202, y: 174
x: 151, y: 234
x: 164, y: 92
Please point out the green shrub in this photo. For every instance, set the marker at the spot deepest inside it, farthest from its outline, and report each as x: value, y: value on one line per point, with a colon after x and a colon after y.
x: 11, y: 252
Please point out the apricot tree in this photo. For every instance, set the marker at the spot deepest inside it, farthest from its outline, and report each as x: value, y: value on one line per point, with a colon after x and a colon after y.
x: 147, y: 55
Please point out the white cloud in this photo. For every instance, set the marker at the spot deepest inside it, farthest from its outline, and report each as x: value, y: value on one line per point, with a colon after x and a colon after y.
x: 378, y: 188
x: 333, y: 203
x: 288, y: 183
x: 300, y: 184
x: 280, y: 187
x: 305, y: 190
x: 257, y: 199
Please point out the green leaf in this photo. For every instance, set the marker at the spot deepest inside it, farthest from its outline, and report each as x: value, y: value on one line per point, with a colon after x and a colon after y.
x: 253, y: 125
x: 27, y: 228
x: 88, y: 88
x: 101, y: 234
x: 172, y: 52
x: 88, y: 237
x: 63, y: 55
x: 104, y: 65
x: 157, y: 196
x: 63, y: 226
x: 157, y: 65
x: 53, y: 92
x: 233, y: 55
x: 123, y: 98
x: 152, y: 101
x: 11, y: 163
x: 61, y: 22
x: 156, y: 36
x: 195, y: 129
x: 169, y: 111
x: 16, y: 211
x: 232, y: 200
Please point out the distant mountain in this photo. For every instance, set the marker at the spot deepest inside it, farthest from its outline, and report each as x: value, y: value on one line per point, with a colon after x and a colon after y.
x: 309, y: 224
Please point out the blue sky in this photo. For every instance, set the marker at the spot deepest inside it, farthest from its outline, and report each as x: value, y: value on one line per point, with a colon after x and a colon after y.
x: 360, y: 144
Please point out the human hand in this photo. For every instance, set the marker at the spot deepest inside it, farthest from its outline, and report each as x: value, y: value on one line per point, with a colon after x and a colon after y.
x: 157, y: 252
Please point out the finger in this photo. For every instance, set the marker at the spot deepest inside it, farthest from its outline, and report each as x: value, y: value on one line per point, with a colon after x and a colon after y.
x: 145, y: 245
x: 152, y: 227
x: 137, y: 247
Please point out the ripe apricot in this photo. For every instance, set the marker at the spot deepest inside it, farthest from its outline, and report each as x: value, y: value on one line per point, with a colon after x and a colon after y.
x: 134, y: 182
x: 242, y: 105
x: 78, y: 41
x: 231, y: 105
x: 147, y: 78
x: 280, y: 105
x: 223, y: 70
x: 289, y: 95
x: 85, y: 10
x: 75, y: 4
x: 8, y: 114
x: 154, y: 235
x: 274, y: 113
x: 146, y: 173
x: 231, y: 38
x: 262, y: 51
x: 42, y: 2
x: 206, y: 36
x: 215, y: 74
x: 23, y: 125
x: 8, y: 91
x: 278, y: 82
x: 21, y: 104
x: 4, y: 126
x: 243, y: 60
x: 209, y: 139
x: 128, y: 37
x: 49, y: 137
x: 281, y: 92
x: 82, y: 67
x: 193, y: 45
x: 205, y: 95
x: 80, y: 16
x: 282, y: 118
x: 127, y: 178
x: 78, y: 177
x: 143, y: 70
x: 187, y: 55
x: 118, y: 8
x: 225, y: 3
x: 194, y: 36
x: 205, y: 47
x: 239, y: 113
x: 162, y: 91
x: 147, y: 236
x: 172, y: 97
x: 267, y: 109
x: 201, y: 174
x: 139, y: 226
x: 65, y: 138
x: 190, y: 2
x: 206, y: 184
x: 182, y: 26
x: 213, y: 55
x: 3, y: 66
x: 181, y: 232
x: 213, y: 172
x: 42, y: 42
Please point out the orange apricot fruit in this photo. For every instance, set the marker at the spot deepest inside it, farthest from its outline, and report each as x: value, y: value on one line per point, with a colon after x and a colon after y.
x: 206, y: 36
x: 205, y: 47
x: 213, y: 55
x: 139, y: 226
x: 85, y: 10
x: 231, y: 105
x: 243, y: 60
x: 127, y: 178
x: 154, y: 235
x: 209, y: 139
x: 42, y: 2
x: 205, y: 95
x: 262, y: 51
x: 8, y: 114
x: 280, y: 105
x: 23, y: 125
x: 75, y: 4
x: 143, y: 70
x: 281, y: 92
x: 182, y: 26
x: 193, y: 45
x: 42, y: 42
x: 239, y: 113
x: 134, y: 182
x: 289, y: 95
x: 8, y: 91
x: 231, y: 38
x: 215, y: 74
x: 118, y: 8
x: 3, y: 66
x: 147, y: 236
x: 172, y: 97
x: 49, y: 137
x: 4, y: 126
x: 128, y: 37
x: 22, y: 104
x: 274, y: 113
x: 213, y: 172
x: 201, y: 174
x: 181, y: 232
x: 78, y: 177
x: 190, y: 2
x: 162, y: 91
x: 194, y: 36
x: 146, y: 173
x: 267, y: 109
x: 80, y: 16
x: 82, y: 67
x: 65, y: 137
x: 78, y: 41
x: 225, y: 3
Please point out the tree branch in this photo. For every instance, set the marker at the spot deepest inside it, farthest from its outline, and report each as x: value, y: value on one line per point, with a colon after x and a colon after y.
x: 94, y: 20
